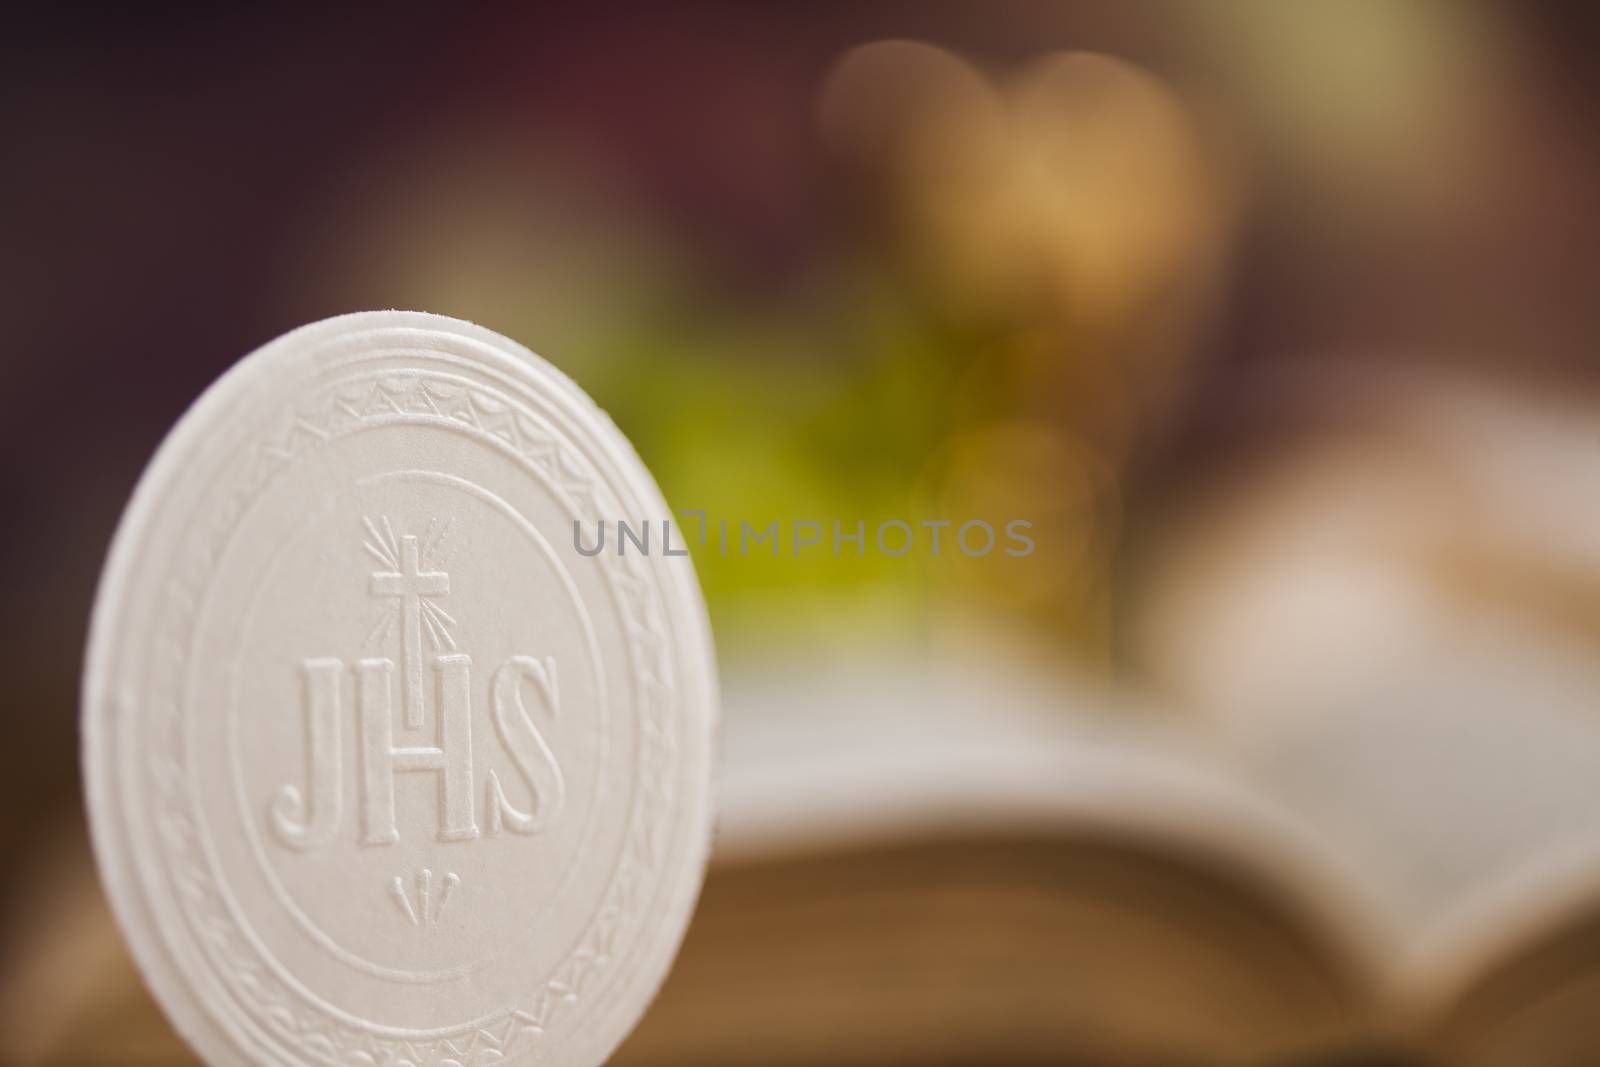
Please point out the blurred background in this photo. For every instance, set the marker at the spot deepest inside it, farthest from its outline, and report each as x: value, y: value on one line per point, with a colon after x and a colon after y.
x: 1277, y: 321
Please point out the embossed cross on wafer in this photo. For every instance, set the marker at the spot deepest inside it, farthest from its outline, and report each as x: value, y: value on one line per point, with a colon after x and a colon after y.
x: 412, y: 585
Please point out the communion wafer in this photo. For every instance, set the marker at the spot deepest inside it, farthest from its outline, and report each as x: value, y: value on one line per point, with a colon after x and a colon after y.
x: 380, y: 770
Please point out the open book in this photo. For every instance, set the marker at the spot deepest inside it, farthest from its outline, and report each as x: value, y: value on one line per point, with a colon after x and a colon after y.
x: 959, y: 865
x: 956, y: 866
